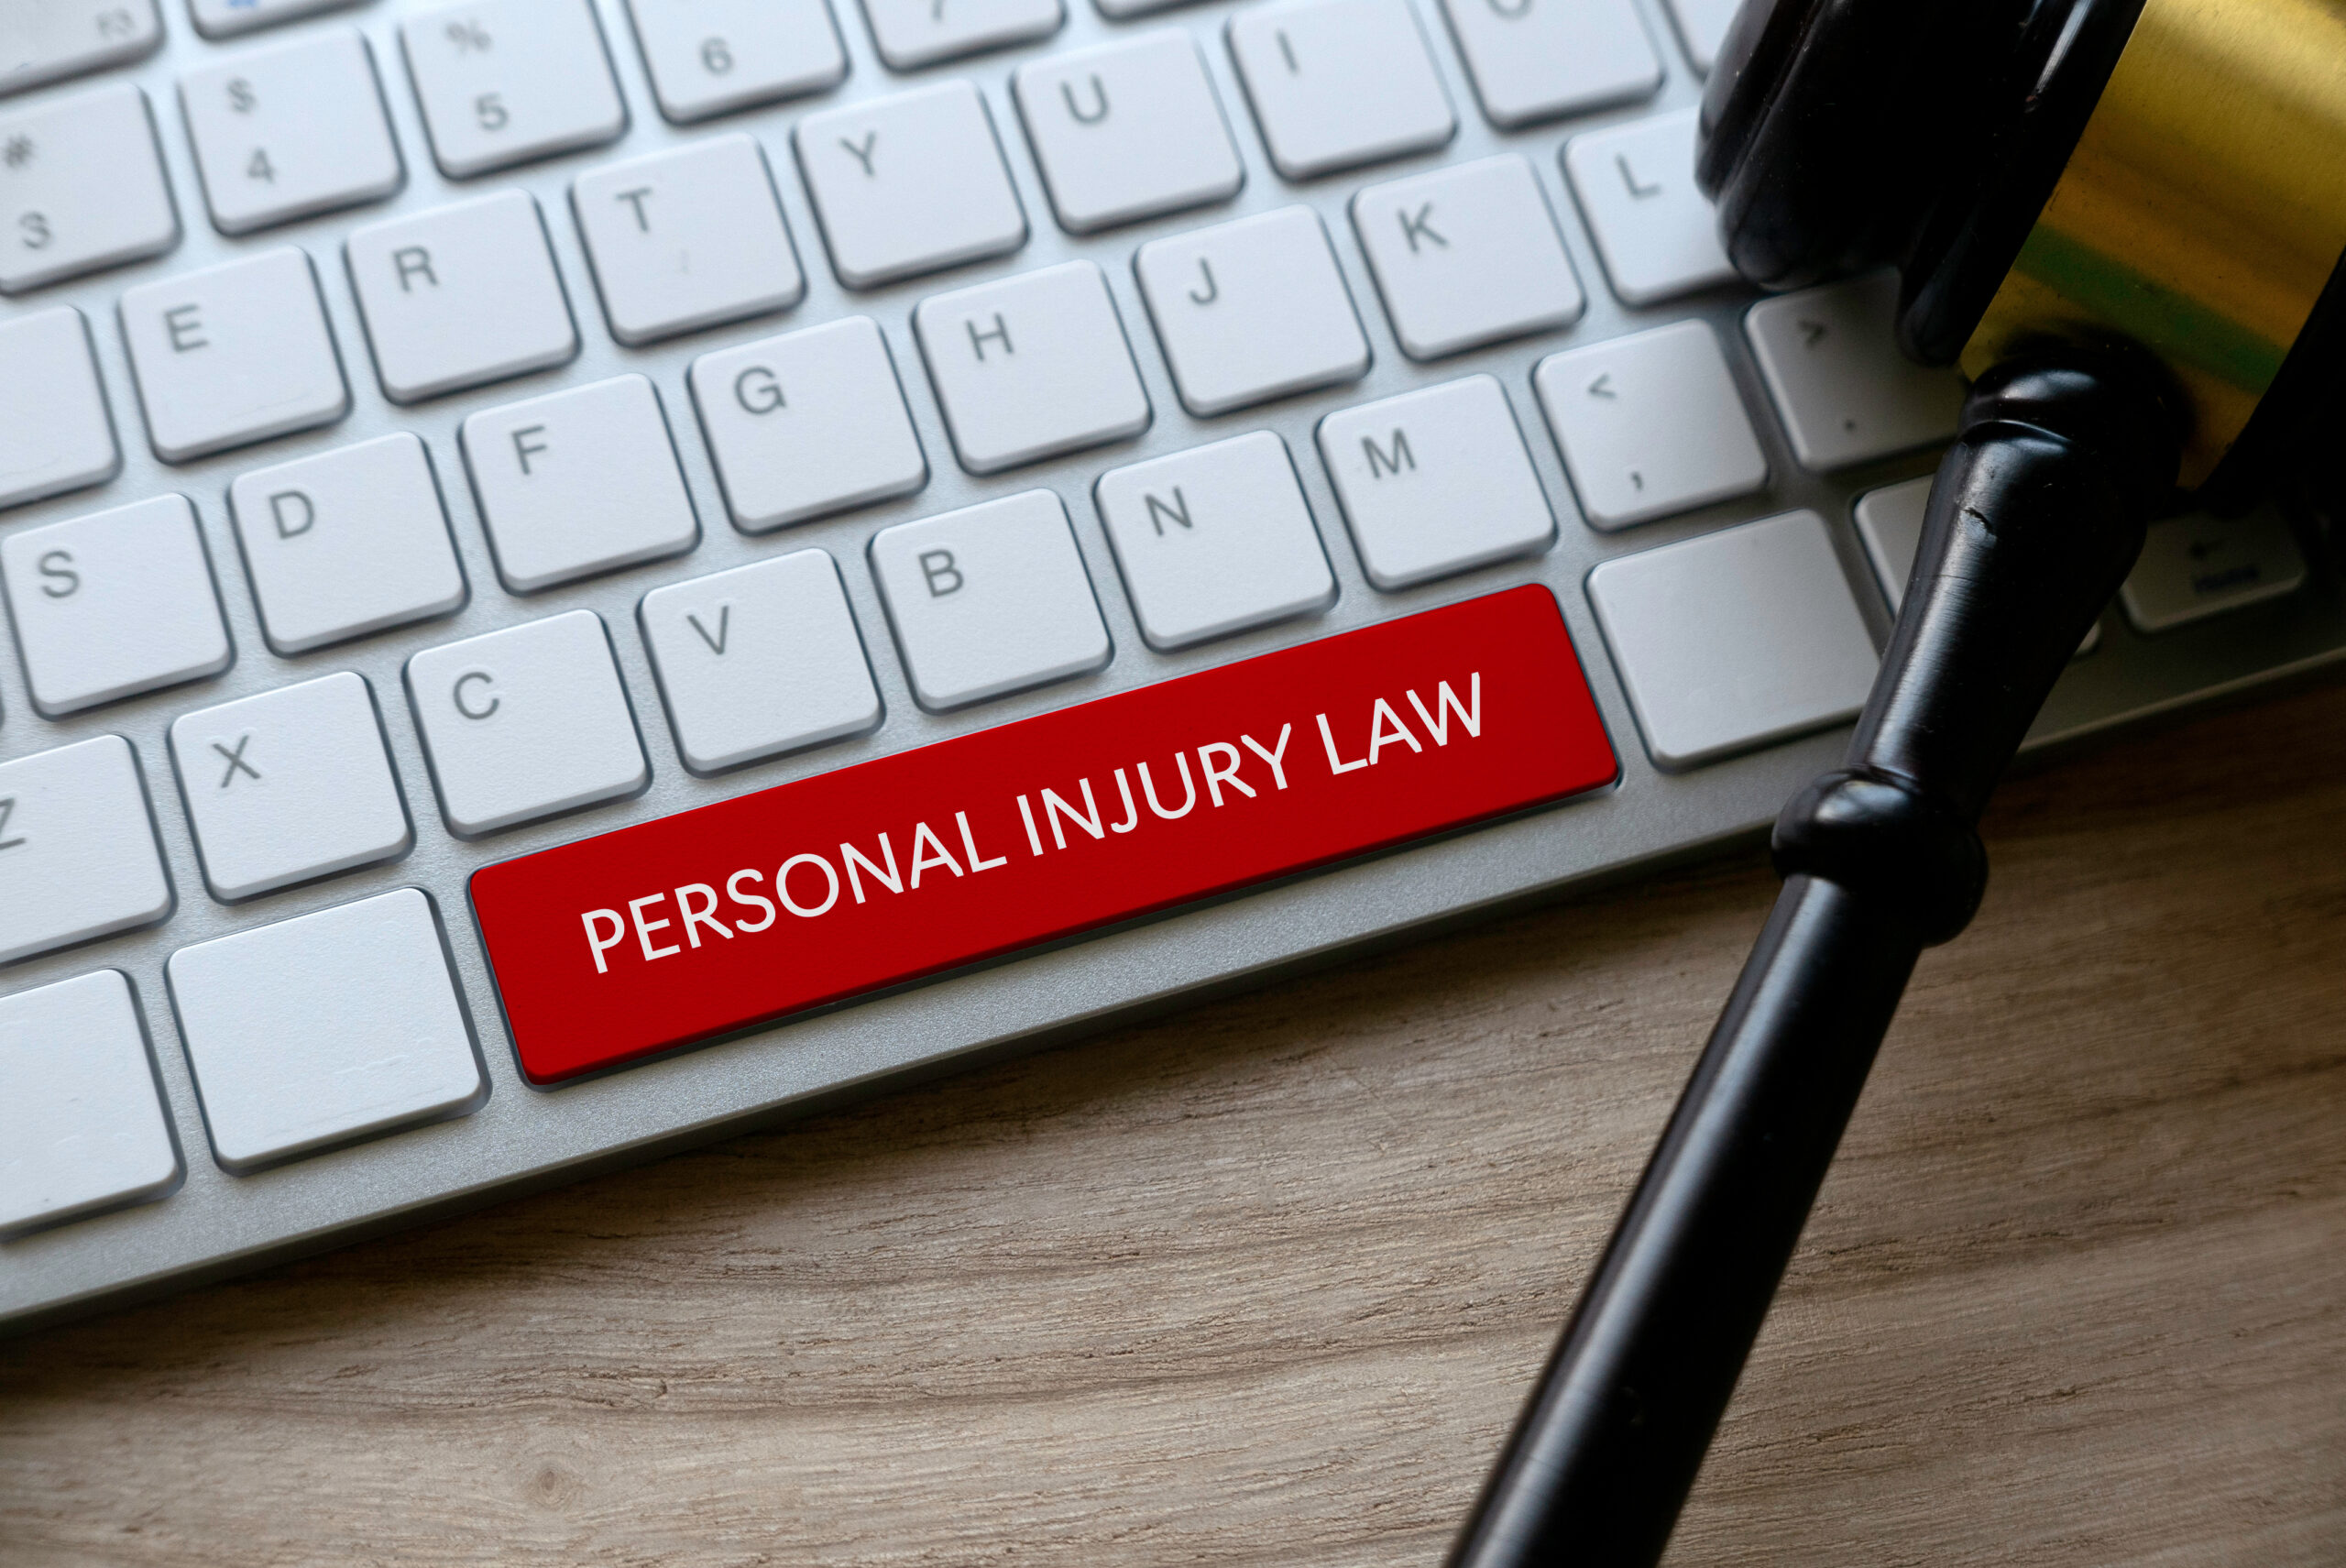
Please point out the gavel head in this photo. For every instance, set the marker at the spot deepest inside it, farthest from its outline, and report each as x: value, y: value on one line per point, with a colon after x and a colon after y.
x: 2168, y: 174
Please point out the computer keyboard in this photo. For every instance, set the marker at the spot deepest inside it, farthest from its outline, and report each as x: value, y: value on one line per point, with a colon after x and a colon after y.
x: 585, y: 575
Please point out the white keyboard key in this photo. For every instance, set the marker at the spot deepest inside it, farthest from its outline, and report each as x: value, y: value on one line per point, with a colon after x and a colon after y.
x: 1466, y: 256
x: 1336, y: 84
x: 461, y: 295
x: 114, y: 604
x: 1435, y: 482
x: 55, y: 433
x: 288, y: 785
x: 708, y: 57
x: 525, y: 722
x: 81, y: 1124
x: 2193, y: 567
x: 1656, y: 232
x: 990, y: 600
x: 503, y: 82
x: 686, y: 238
x: 1127, y: 130
x: 1845, y: 393
x: 323, y: 1028
x: 347, y: 543
x: 806, y: 424
x: 80, y: 187
x: 1030, y: 367
x: 1214, y: 540
x: 909, y: 184
x: 285, y: 132
x: 1540, y: 59
x: 78, y: 856
x: 578, y: 482
x: 913, y: 33
x: 1735, y: 639
x: 1649, y: 424
x: 1702, y: 27
x: 1890, y: 522
x: 759, y: 661
x: 1251, y: 309
x: 232, y: 355
x: 1125, y: 10
x: 47, y: 40
x: 227, y: 19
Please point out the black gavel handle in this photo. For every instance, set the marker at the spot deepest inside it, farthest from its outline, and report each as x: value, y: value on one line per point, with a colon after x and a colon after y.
x: 2037, y: 514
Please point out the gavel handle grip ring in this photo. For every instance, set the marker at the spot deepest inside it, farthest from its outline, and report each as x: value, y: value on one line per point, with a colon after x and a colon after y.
x: 2037, y: 514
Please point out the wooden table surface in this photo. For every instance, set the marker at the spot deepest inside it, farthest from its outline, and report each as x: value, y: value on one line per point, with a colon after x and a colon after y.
x: 1265, y: 1283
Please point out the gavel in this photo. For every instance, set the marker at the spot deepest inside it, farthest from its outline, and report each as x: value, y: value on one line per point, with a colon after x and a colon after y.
x: 2125, y: 220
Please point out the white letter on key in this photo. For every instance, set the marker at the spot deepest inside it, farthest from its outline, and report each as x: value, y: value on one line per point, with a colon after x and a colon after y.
x: 602, y: 945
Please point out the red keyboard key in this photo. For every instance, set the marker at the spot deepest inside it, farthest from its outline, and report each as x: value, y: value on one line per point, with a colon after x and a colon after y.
x: 737, y: 914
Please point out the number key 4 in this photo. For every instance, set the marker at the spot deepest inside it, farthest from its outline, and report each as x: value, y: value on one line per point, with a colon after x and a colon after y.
x: 287, y: 132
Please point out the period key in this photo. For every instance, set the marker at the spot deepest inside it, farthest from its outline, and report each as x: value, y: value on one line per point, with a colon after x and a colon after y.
x: 694, y: 927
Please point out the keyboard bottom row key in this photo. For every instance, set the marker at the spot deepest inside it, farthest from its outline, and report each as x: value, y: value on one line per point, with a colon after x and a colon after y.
x: 670, y: 931
x: 1732, y: 640
x: 82, y: 1127
x: 325, y: 1028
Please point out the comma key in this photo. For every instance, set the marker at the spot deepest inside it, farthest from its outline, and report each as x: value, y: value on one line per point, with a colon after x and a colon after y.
x: 1649, y: 424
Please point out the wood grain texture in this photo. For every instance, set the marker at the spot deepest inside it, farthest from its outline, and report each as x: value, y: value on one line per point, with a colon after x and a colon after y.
x: 1263, y: 1283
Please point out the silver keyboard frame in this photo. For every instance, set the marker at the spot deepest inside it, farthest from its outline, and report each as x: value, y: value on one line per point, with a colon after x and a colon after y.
x: 521, y: 1137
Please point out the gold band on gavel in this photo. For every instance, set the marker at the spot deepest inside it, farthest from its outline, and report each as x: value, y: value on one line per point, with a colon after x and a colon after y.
x: 2204, y: 208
